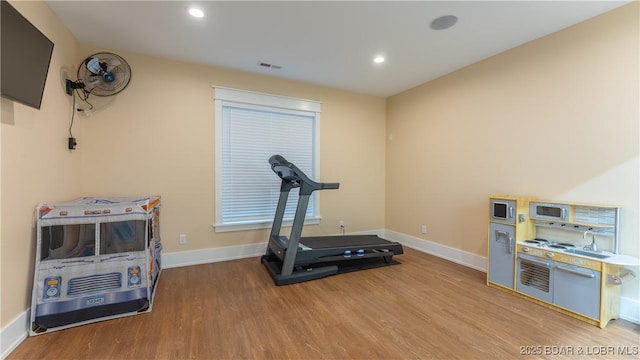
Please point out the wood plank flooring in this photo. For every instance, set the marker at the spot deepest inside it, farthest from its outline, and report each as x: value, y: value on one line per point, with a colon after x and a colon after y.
x: 425, y: 308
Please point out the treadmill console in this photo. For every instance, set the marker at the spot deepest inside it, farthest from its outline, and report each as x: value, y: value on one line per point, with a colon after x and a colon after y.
x: 284, y: 169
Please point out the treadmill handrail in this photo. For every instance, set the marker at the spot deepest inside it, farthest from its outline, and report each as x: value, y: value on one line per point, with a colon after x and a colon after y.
x: 329, y: 186
x: 295, y: 177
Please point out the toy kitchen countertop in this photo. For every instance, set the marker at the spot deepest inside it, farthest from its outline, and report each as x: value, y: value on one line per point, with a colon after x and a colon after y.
x: 571, y: 249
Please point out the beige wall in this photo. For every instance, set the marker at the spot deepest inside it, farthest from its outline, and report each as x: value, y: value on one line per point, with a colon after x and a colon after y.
x: 36, y: 165
x: 157, y: 137
x: 556, y: 118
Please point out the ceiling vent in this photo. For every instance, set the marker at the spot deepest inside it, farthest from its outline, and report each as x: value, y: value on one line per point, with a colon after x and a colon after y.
x: 272, y: 66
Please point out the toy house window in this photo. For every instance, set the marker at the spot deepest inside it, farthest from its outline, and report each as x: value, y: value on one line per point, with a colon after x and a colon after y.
x: 67, y: 241
x: 122, y: 236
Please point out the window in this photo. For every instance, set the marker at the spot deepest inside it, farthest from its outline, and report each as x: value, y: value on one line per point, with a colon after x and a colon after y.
x: 251, y: 127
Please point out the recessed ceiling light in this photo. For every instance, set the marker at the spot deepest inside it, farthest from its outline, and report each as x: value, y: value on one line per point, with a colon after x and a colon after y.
x: 378, y: 59
x: 195, y: 12
x: 443, y: 22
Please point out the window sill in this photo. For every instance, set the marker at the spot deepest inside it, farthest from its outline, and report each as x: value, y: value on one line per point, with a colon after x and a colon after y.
x: 256, y: 225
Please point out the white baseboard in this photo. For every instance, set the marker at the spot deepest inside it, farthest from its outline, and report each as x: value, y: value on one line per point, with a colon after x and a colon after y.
x: 14, y: 334
x: 630, y: 309
x: 205, y: 256
x: 452, y: 254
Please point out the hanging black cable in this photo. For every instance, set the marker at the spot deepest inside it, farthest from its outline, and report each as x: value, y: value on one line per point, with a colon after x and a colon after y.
x: 72, y: 141
x: 73, y: 114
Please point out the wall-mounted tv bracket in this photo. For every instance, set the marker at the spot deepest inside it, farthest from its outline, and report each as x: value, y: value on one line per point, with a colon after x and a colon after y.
x: 73, y: 85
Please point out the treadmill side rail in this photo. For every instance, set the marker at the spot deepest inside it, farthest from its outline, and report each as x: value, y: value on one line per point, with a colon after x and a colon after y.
x: 296, y: 276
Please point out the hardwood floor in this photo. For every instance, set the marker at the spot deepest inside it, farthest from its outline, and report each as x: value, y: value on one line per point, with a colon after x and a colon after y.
x: 425, y: 308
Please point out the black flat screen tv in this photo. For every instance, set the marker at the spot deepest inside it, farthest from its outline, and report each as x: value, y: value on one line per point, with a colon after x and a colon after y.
x: 25, y: 55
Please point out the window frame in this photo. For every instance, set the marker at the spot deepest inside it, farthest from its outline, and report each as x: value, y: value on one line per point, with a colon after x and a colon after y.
x: 252, y: 100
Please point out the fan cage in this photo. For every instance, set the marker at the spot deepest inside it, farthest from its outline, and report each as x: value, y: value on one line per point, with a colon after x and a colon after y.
x: 95, y: 84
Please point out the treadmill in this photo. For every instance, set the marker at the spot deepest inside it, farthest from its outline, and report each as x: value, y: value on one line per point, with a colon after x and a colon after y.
x: 294, y: 259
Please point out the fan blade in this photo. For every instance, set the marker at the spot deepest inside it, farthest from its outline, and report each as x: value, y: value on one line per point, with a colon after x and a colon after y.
x: 113, y: 63
x: 93, y: 80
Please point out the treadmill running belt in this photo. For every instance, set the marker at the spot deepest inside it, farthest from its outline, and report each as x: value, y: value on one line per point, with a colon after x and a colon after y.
x: 323, y: 242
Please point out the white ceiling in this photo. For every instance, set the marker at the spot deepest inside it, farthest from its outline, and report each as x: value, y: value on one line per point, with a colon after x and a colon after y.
x: 330, y: 43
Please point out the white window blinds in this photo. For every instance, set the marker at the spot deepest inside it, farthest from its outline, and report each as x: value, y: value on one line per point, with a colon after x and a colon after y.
x: 249, y: 130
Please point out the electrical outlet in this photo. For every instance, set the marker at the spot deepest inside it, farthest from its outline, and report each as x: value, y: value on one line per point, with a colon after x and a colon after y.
x: 424, y: 229
x: 341, y: 224
x: 182, y: 240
